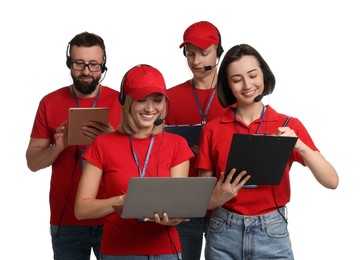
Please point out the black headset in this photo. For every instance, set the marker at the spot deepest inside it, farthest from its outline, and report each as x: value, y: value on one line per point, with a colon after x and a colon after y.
x: 69, y: 61
x: 219, y: 50
x: 121, y: 93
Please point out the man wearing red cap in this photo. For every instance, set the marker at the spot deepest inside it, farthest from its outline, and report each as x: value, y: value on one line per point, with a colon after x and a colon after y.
x: 194, y: 102
x: 138, y: 149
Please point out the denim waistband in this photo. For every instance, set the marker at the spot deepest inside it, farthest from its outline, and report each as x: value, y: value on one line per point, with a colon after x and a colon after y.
x: 233, y: 219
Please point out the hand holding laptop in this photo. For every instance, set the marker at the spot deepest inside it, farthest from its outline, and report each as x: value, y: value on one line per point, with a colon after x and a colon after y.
x: 163, y: 220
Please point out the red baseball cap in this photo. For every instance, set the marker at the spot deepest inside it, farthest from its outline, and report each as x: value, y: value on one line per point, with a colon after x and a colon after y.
x: 143, y: 80
x: 201, y: 34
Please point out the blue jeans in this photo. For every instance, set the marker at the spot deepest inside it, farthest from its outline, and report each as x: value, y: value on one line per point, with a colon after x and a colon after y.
x: 75, y: 242
x: 191, y: 234
x: 234, y: 236
x: 142, y: 257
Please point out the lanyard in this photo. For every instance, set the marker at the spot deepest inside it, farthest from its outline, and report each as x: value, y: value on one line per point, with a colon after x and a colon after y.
x: 142, y: 173
x: 203, y: 114
x: 93, y: 103
x: 260, y: 124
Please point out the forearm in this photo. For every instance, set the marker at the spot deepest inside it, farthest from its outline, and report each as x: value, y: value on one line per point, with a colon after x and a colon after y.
x: 214, y: 202
x: 41, y: 157
x: 96, y: 208
x: 322, y: 170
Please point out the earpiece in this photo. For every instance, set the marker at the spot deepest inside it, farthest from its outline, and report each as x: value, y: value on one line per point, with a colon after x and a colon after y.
x: 68, y: 58
x: 219, y: 50
x: 121, y: 93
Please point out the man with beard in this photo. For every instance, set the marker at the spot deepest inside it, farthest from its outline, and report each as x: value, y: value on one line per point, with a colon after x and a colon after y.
x: 86, y: 59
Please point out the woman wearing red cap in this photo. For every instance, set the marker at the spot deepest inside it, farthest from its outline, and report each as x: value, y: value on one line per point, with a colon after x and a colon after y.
x: 139, y: 149
x: 195, y: 102
x: 250, y: 222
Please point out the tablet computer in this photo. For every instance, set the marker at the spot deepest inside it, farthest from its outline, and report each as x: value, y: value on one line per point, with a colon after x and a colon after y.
x: 263, y: 157
x: 190, y: 132
x: 182, y: 197
x: 78, y: 117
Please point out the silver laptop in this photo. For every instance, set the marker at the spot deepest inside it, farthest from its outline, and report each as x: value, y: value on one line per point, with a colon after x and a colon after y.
x: 185, y: 197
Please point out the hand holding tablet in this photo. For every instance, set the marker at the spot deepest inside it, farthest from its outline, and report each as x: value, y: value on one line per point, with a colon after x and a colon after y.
x: 79, y: 117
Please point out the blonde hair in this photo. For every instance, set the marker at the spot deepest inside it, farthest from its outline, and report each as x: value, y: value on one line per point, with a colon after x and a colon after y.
x: 128, y: 125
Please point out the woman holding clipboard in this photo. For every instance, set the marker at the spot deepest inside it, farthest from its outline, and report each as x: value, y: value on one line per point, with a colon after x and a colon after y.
x: 251, y: 222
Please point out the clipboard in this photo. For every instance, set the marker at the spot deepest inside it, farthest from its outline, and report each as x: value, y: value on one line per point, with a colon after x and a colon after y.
x: 80, y: 116
x: 264, y: 157
x: 182, y: 197
x: 190, y: 132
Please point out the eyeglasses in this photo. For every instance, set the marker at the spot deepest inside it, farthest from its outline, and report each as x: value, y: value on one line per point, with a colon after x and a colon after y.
x: 80, y: 66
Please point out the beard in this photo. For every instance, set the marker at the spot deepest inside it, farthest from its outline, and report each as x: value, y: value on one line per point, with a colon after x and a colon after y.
x: 85, y: 88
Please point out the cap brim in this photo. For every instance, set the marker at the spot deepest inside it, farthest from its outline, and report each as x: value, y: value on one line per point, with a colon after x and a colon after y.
x: 202, y: 44
x: 142, y: 93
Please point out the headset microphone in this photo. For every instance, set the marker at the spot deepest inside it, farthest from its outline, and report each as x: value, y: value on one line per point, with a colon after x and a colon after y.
x: 104, y: 74
x: 158, y: 122
x: 258, y: 98
x: 207, y: 68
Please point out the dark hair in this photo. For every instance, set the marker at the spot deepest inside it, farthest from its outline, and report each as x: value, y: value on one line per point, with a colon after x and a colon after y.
x: 86, y: 39
x: 224, y: 92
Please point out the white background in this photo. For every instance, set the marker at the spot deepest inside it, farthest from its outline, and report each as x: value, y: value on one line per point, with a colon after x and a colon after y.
x: 315, y: 49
